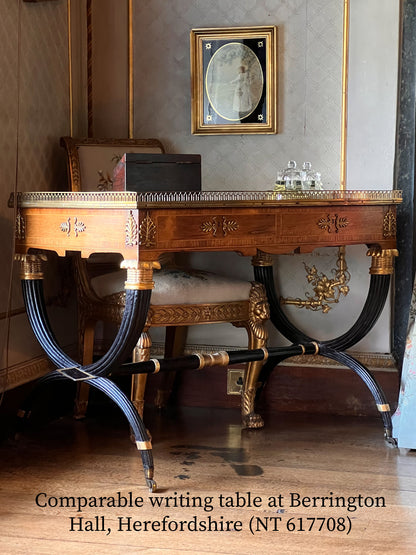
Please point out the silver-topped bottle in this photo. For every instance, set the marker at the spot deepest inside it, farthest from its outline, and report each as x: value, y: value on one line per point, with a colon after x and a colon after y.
x: 292, y: 177
x: 311, y: 180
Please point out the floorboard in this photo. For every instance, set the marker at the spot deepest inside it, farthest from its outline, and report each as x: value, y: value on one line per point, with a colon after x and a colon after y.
x: 209, y: 473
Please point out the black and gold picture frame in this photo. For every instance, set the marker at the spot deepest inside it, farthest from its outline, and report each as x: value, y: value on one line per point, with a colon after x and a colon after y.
x: 233, y: 80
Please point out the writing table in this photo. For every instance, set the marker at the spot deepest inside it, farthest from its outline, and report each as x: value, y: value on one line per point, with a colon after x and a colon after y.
x: 258, y: 224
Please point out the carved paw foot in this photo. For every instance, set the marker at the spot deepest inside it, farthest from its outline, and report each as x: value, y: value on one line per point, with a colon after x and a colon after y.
x: 252, y: 420
x: 162, y: 398
x: 80, y: 410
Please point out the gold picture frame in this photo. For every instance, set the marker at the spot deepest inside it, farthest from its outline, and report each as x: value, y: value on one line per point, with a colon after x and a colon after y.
x: 233, y: 80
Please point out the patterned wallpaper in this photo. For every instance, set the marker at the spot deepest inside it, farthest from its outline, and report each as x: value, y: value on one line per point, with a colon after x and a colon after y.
x: 309, y: 102
x: 309, y: 120
x: 309, y: 86
x: 34, y: 113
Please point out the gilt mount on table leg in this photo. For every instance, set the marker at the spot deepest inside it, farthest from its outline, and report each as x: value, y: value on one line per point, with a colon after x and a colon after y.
x: 382, y: 266
x: 138, y: 289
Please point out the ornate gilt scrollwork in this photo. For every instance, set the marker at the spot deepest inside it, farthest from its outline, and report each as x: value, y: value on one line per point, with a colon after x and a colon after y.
x: 326, y: 290
x: 214, y: 226
x: 332, y: 223
x: 259, y: 311
x: 191, y: 314
x: 147, y: 232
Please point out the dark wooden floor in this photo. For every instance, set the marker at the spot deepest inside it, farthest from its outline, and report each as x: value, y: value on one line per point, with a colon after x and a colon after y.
x: 202, y: 454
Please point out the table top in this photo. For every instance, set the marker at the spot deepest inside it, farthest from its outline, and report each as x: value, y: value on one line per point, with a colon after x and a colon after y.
x: 145, y: 225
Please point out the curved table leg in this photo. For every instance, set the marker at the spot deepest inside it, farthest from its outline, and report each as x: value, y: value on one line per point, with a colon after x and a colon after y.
x: 350, y: 362
x: 375, y: 389
x: 134, y: 318
x: 381, y: 269
x: 111, y: 390
x: 143, y: 442
x: 376, y: 298
x: 138, y: 289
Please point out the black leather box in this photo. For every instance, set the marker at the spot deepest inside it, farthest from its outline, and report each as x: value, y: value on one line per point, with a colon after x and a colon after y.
x: 158, y: 172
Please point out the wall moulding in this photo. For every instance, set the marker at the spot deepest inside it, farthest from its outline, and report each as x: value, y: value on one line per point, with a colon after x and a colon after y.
x: 24, y: 372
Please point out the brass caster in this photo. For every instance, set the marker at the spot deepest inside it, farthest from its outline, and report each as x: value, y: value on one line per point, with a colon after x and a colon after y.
x: 252, y: 420
x: 390, y: 441
x: 151, y: 484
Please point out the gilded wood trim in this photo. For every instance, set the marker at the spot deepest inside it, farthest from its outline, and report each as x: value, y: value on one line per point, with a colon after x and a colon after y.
x: 171, y: 315
x: 130, y: 69
x: 89, y: 69
x: 163, y: 315
x: 344, y: 103
x: 71, y: 145
x: 70, y: 77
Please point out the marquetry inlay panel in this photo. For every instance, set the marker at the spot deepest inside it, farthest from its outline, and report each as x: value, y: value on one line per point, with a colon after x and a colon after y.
x: 273, y: 225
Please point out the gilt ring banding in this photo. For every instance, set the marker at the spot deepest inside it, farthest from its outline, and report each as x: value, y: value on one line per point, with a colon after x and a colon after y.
x: 156, y: 364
